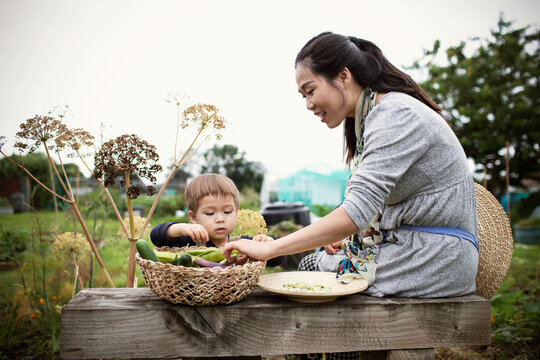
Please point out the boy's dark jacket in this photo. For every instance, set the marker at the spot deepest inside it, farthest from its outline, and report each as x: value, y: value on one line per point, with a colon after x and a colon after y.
x: 159, y: 237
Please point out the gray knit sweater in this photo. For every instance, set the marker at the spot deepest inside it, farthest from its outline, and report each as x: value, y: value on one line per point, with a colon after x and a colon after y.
x: 415, y: 171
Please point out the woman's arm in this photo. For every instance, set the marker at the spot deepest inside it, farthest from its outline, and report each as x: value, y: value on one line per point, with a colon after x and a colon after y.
x: 331, y: 228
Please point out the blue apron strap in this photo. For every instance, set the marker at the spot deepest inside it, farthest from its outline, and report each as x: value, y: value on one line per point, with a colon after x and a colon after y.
x: 452, y: 231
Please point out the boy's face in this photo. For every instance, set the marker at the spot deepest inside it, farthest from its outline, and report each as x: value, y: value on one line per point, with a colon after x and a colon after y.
x: 217, y: 215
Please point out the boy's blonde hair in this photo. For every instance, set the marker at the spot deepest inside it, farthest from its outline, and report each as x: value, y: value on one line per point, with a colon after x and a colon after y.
x: 210, y: 184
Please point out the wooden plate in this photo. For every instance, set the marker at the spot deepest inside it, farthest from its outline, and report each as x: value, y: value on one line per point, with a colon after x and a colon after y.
x: 274, y: 283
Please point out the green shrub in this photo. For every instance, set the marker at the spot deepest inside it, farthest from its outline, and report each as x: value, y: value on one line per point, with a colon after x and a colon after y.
x: 516, y: 316
x: 321, y: 210
x: 96, y: 204
x: 12, y: 245
x: 249, y: 199
x: 529, y: 222
x: 283, y: 228
x: 167, y: 206
x: 525, y: 207
x: 4, y: 202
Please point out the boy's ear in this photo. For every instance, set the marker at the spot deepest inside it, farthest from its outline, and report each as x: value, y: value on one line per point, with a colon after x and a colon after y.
x: 191, y: 216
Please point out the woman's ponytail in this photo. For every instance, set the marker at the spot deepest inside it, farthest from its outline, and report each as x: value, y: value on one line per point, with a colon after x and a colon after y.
x: 327, y: 54
x: 393, y: 79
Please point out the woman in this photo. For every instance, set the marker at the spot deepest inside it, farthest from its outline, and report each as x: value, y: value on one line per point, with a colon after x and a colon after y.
x: 409, y: 216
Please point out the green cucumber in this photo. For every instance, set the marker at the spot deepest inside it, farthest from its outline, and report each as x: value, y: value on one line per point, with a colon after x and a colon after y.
x: 184, y: 260
x: 145, y: 250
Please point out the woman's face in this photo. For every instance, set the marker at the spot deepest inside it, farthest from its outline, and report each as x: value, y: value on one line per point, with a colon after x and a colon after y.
x: 326, y: 101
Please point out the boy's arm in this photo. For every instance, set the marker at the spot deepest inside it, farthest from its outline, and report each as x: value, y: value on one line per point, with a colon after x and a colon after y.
x: 195, y: 231
x: 161, y: 236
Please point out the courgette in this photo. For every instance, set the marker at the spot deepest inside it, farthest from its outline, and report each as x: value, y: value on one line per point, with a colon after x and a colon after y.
x: 146, y: 251
x: 165, y: 257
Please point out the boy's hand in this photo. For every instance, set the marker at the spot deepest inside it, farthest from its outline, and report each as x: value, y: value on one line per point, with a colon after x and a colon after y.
x: 195, y: 231
x: 262, y: 238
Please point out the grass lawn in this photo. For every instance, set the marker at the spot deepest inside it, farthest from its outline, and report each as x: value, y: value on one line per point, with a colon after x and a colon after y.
x: 34, y: 291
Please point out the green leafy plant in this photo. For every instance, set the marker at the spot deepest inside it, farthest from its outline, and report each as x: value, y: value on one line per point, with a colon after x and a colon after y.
x: 321, y: 210
x: 515, y: 306
x: 529, y: 222
x: 12, y: 245
x: 283, y: 228
x: 4, y: 202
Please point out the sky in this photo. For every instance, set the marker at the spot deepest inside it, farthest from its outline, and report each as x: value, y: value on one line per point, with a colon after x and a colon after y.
x: 114, y: 64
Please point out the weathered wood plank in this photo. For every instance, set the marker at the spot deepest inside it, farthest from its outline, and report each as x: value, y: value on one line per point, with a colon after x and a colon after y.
x: 412, y: 354
x: 134, y: 323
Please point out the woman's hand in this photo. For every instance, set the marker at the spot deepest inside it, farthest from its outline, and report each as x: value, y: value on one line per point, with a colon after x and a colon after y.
x: 253, y: 249
x: 262, y: 238
x: 333, y: 248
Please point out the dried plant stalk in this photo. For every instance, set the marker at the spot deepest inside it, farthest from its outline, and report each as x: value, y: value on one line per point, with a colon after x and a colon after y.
x: 205, y: 117
x: 51, y: 133
x: 124, y: 156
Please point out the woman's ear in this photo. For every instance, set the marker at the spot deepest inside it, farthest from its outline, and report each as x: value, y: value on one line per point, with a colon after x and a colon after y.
x: 191, y: 217
x: 345, y: 76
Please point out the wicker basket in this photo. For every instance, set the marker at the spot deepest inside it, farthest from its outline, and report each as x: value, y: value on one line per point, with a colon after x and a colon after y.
x: 200, y: 286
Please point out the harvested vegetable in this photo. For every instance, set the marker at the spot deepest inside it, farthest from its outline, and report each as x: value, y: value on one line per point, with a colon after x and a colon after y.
x: 184, y: 260
x: 207, y: 263
x: 306, y: 287
x: 215, y: 255
x: 192, y: 257
x: 168, y: 256
x: 146, y: 251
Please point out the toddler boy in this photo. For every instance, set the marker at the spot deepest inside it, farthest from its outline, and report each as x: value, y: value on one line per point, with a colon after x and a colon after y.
x: 212, y: 201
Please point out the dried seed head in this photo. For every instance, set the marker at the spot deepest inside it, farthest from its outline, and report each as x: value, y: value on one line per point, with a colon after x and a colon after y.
x: 68, y: 243
x: 177, y: 99
x: 37, y: 131
x: 127, y: 154
x: 138, y: 223
x: 75, y: 139
x: 205, y: 116
x: 133, y: 192
x: 249, y: 222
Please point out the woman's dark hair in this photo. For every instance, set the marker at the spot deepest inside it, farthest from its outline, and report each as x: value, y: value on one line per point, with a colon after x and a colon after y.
x: 327, y: 54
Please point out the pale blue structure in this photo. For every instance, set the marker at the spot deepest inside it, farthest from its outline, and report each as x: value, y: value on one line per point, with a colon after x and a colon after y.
x: 313, y: 187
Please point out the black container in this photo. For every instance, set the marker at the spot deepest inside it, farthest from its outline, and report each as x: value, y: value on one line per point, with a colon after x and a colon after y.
x: 295, y: 211
x: 280, y: 211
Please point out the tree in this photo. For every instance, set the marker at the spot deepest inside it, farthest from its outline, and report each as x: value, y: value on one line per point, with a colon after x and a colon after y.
x: 229, y: 161
x: 37, y: 163
x: 491, y: 97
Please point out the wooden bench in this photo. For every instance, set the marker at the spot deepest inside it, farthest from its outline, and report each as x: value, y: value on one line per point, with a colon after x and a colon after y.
x: 136, y: 324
